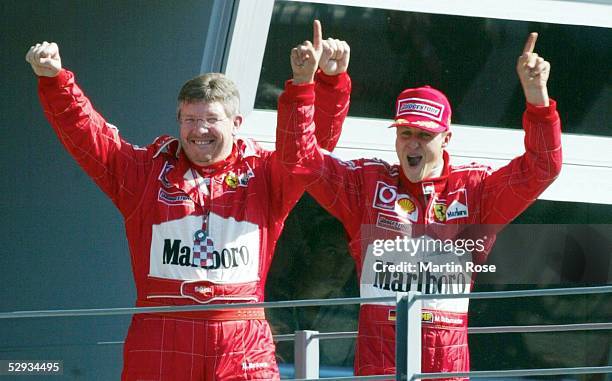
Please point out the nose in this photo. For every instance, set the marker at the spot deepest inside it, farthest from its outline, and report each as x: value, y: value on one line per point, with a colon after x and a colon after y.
x: 202, y: 128
x: 413, y: 142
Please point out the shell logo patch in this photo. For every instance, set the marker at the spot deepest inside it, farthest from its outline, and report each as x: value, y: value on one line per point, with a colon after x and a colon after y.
x: 405, y: 207
x: 440, y: 212
x: 406, y: 204
x: 231, y: 180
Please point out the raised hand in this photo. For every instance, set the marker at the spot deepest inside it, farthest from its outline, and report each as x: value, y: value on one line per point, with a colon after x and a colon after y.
x: 533, y: 72
x: 45, y: 59
x: 305, y: 57
x: 335, y: 57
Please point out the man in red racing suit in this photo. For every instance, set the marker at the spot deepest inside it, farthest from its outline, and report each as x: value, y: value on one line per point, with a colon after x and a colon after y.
x: 197, y: 233
x: 376, y: 200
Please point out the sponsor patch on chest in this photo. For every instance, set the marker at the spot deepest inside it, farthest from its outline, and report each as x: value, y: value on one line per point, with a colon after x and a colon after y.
x: 386, y: 197
x: 393, y: 223
x: 233, y: 258
x: 237, y: 179
x: 173, y: 198
x: 458, y: 205
x: 439, y: 209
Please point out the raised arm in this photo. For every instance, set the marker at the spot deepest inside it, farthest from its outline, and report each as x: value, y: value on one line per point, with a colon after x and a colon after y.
x: 332, y: 182
x: 332, y: 99
x: 112, y: 163
x: 332, y: 87
x: 512, y: 188
x: 533, y: 72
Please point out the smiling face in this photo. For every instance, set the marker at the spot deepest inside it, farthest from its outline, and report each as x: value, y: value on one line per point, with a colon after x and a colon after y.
x: 420, y: 152
x: 208, y: 117
x: 207, y: 131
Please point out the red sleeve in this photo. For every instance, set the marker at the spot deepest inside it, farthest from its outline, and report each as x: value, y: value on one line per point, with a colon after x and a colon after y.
x: 335, y: 184
x: 508, y: 191
x: 332, y: 98
x: 115, y: 165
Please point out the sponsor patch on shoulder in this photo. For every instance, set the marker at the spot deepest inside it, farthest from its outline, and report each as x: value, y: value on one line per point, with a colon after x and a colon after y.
x: 164, y: 173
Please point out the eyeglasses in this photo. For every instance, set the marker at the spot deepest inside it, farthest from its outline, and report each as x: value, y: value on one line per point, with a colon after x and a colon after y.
x: 209, y: 122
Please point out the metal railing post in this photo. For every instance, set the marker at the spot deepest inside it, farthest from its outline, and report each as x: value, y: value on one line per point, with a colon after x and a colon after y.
x: 408, y: 336
x: 609, y: 377
x: 306, y: 353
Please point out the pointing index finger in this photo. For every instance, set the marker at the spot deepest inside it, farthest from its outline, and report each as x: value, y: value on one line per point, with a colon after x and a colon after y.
x: 530, y: 43
x: 317, y: 35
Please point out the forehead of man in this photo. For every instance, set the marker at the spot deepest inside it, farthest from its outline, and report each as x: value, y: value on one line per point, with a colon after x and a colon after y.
x: 202, y: 109
x: 410, y: 130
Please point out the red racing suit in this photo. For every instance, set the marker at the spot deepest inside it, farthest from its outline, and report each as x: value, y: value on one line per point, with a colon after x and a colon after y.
x: 202, y: 235
x: 374, y: 200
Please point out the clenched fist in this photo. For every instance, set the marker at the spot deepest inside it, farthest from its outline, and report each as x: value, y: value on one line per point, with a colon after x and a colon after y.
x: 335, y: 56
x: 533, y: 73
x: 331, y: 56
x: 45, y: 59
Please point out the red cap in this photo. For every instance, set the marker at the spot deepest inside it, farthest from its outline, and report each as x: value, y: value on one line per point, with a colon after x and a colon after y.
x: 424, y: 108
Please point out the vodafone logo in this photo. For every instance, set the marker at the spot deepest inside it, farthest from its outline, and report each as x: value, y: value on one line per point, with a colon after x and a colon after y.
x: 387, y: 194
x: 384, y: 196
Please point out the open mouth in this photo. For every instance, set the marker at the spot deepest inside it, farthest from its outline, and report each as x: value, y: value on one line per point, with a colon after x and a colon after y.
x: 414, y: 161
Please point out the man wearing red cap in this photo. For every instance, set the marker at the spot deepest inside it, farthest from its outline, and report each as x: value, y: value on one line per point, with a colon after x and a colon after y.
x: 376, y: 200
x: 423, y: 113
